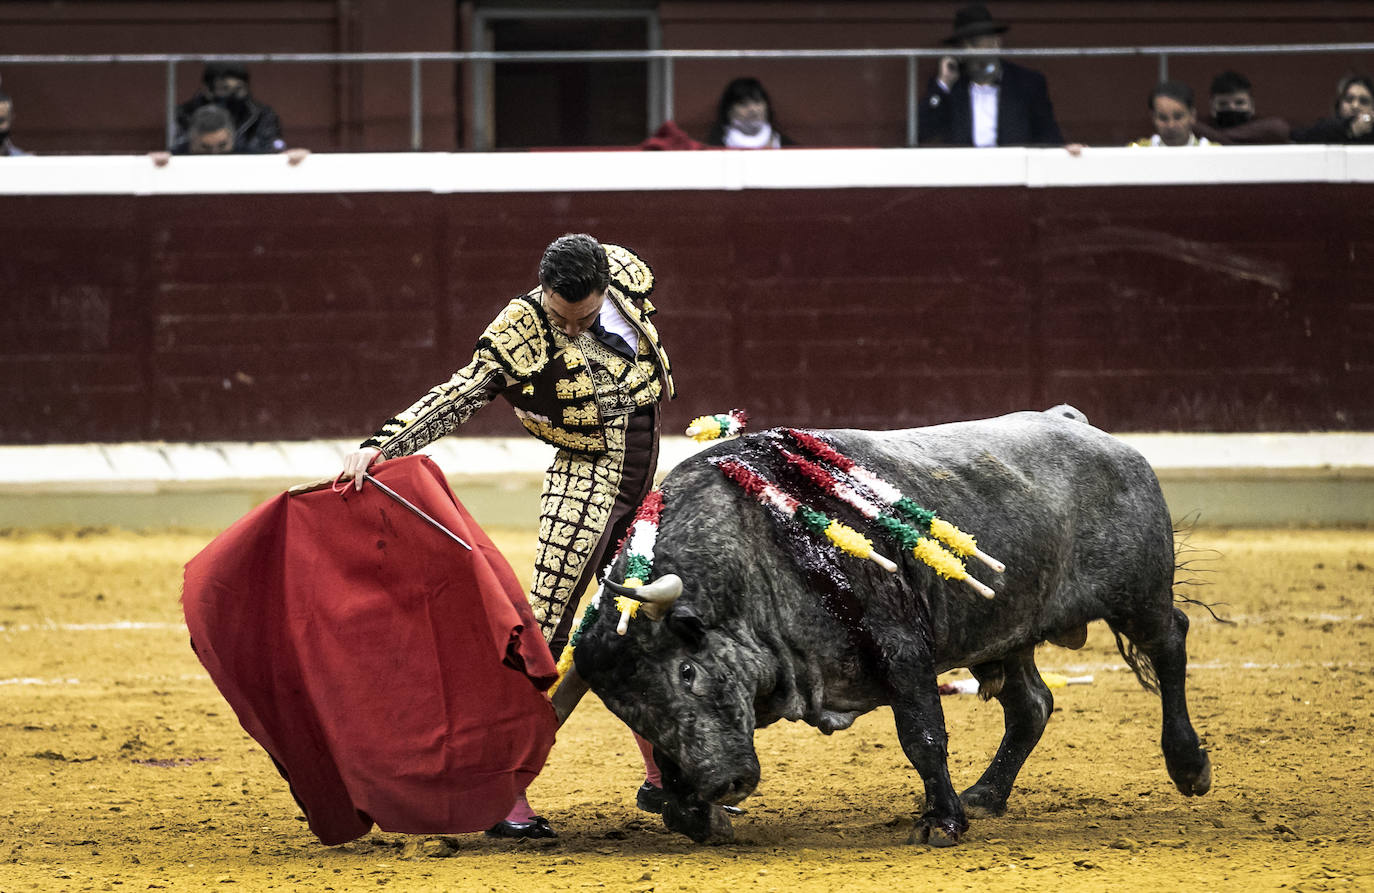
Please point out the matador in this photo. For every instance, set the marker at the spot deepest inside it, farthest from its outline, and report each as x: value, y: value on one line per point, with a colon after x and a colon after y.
x: 581, y: 363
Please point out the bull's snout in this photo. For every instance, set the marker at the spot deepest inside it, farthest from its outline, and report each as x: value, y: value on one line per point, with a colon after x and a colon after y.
x: 737, y: 791
x: 732, y: 788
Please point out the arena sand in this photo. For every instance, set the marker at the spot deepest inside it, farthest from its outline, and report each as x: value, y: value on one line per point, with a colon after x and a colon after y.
x: 123, y: 769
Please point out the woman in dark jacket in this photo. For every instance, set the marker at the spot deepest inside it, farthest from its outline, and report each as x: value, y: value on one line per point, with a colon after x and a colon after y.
x: 1354, y: 118
x: 744, y: 118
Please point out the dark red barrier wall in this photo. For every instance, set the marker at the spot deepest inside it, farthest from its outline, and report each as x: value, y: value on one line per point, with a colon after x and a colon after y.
x: 294, y: 316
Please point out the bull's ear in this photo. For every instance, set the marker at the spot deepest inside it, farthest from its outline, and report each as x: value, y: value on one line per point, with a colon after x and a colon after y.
x: 687, y: 623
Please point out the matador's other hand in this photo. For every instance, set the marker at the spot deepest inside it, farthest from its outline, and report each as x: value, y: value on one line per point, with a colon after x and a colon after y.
x: 356, y: 462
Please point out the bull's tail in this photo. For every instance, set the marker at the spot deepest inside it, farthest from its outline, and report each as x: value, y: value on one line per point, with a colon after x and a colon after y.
x: 1189, y: 570
x: 1138, y: 661
x: 1191, y: 567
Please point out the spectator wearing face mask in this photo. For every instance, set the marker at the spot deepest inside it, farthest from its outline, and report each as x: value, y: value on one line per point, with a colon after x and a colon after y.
x: 1174, y: 116
x: 256, y: 126
x: 1233, y: 121
x: 7, y: 148
x: 1354, y: 119
x: 744, y: 118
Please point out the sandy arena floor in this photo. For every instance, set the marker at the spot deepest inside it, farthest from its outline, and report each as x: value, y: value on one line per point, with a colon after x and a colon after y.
x: 123, y: 769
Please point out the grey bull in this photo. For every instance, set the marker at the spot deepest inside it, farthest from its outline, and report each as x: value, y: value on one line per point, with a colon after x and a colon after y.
x: 771, y: 624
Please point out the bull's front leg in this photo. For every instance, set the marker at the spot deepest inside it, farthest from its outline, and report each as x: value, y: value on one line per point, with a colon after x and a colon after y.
x: 921, y: 731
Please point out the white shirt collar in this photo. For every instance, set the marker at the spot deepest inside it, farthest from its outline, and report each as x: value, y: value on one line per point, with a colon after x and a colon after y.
x: 983, y: 99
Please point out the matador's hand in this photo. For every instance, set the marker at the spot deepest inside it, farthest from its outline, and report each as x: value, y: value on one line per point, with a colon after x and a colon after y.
x: 356, y: 462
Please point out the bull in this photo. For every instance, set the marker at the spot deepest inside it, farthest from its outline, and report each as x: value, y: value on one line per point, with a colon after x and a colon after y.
x: 760, y: 622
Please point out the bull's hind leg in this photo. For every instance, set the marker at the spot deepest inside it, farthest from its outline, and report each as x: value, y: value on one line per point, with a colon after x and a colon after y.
x: 1164, y: 645
x: 1188, y: 764
x: 1026, y: 707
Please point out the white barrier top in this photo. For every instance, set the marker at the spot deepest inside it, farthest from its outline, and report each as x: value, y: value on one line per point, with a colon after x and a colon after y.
x: 631, y: 170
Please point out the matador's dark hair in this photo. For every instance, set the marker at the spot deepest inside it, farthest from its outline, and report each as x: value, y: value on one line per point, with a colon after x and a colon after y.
x: 574, y: 266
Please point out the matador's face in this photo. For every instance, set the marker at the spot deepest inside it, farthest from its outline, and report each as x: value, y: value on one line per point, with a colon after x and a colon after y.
x: 572, y: 318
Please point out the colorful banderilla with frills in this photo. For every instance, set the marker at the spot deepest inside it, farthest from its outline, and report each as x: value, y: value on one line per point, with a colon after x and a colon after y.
x: 959, y: 542
x: 722, y: 424
x: 639, y: 555
x: 844, y: 537
x: 639, y: 566
x: 926, y: 549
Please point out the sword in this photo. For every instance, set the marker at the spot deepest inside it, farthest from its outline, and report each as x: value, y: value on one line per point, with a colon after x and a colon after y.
x: 416, y: 509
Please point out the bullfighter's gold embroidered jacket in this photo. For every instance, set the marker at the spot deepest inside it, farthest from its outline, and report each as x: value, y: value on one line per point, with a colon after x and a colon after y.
x: 562, y: 389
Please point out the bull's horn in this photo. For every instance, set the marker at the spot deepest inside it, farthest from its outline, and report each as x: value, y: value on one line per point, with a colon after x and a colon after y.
x: 657, y: 596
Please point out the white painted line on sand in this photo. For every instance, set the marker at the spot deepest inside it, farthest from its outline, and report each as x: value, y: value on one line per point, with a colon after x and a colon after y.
x: 118, y: 625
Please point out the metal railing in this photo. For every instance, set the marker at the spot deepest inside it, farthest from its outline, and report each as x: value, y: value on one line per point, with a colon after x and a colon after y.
x: 665, y: 58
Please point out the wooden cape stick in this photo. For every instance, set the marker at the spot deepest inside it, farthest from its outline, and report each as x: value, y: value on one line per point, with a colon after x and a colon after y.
x: 565, y: 698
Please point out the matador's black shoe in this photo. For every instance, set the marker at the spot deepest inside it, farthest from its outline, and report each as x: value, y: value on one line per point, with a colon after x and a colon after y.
x: 537, y: 826
x: 649, y: 798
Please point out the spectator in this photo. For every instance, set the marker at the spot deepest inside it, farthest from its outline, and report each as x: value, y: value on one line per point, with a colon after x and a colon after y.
x: 983, y: 100
x: 1173, y: 113
x: 256, y: 127
x: 744, y: 118
x: 1233, y: 121
x: 211, y: 132
x: 7, y: 148
x: 1354, y: 118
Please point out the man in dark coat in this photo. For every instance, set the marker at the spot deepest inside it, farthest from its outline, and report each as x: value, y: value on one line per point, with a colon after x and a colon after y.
x: 982, y: 100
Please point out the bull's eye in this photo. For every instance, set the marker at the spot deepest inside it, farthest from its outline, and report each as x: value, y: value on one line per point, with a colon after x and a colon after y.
x: 688, y: 673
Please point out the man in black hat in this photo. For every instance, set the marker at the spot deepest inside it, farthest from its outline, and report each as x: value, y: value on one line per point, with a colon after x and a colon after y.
x: 983, y: 100
x: 256, y: 126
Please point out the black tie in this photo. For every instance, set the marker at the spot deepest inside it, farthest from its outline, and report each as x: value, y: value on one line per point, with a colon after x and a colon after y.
x: 611, y: 340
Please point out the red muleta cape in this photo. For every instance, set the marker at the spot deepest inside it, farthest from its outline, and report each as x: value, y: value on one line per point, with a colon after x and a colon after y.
x: 392, y: 675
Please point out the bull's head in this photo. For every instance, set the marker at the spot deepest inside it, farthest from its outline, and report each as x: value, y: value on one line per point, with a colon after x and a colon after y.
x: 685, y: 687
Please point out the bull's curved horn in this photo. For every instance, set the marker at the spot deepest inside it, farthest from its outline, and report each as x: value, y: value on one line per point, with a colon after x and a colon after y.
x: 657, y: 596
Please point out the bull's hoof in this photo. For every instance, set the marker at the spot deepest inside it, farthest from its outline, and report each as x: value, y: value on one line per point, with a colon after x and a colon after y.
x: 932, y: 836
x: 1197, y: 782
x: 936, y: 831
x: 982, y: 803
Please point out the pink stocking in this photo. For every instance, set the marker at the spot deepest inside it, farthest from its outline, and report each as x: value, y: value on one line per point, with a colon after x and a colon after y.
x: 651, y: 773
x: 521, y: 812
